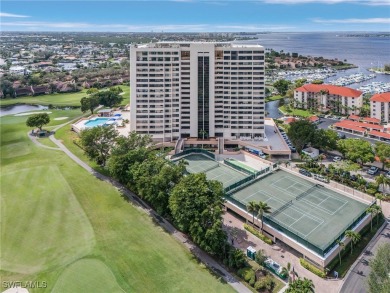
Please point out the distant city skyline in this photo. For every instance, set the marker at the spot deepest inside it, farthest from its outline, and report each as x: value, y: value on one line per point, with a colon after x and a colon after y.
x: 196, y: 15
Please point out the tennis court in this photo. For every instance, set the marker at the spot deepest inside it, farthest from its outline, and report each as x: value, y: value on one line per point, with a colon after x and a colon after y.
x: 198, y: 163
x: 317, y: 215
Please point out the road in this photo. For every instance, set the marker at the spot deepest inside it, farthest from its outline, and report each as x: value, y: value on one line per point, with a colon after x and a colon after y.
x: 357, y: 279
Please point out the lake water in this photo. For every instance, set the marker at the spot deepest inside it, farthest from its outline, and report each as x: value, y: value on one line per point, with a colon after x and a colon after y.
x: 364, y: 51
x: 20, y: 109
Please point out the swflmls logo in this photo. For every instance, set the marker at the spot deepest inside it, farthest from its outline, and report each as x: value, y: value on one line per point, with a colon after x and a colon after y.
x: 25, y: 284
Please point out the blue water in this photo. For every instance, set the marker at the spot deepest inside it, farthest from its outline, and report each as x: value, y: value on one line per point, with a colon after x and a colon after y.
x: 360, y: 49
x: 96, y: 122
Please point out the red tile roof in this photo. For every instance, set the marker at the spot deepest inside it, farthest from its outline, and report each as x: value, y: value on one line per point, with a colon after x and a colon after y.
x: 373, y: 120
x: 289, y: 120
x: 354, y: 117
x: 383, y: 98
x: 380, y: 134
x: 313, y: 118
x: 349, y: 123
x: 349, y: 126
x: 332, y: 89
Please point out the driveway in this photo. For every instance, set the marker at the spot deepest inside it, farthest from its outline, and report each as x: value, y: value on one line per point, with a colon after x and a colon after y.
x: 357, y: 278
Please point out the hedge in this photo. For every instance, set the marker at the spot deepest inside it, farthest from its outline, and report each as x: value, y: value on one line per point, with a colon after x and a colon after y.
x: 312, y: 268
x: 258, y: 234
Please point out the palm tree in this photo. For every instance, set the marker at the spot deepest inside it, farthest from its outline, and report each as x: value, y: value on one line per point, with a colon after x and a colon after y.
x: 341, y: 246
x: 262, y: 207
x: 354, y: 236
x: 379, y: 197
x: 372, y: 211
x: 301, y: 286
x: 375, y: 210
x: 252, y: 208
x: 382, y: 180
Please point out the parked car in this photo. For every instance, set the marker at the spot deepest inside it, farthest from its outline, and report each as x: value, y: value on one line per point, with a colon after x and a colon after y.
x: 373, y: 170
x: 293, y: 149
x: 388, y: 174
x: 321, y: 178
x: 353, y: 177
x: 341, y: 135
x: 337, y: 159
x: 305, y: 172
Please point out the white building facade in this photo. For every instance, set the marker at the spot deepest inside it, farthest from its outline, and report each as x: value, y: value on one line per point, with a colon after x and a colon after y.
x: 380, y: 107
x: 200, y: 90
x: 324, y: 97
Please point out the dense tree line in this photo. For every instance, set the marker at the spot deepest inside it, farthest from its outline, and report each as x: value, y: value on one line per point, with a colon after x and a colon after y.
x: 108, y: 98
x: 303, y: 133
x: 193, y: 203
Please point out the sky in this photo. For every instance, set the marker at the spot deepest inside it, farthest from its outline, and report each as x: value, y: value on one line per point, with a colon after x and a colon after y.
x: 195, y: 15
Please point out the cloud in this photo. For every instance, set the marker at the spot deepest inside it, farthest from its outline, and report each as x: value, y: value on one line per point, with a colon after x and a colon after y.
x: 362, y: 2
x: 85, y: 26
x: 354, y: 20
x: 4, y: 14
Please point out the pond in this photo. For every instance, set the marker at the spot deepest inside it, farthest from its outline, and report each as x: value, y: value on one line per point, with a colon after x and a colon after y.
x: 20, y: 109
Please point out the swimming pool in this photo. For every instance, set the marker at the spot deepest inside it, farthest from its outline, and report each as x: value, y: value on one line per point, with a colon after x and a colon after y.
x: 96, y: 122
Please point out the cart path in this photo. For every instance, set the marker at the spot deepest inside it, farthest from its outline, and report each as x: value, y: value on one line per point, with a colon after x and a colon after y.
x: 179, y: 236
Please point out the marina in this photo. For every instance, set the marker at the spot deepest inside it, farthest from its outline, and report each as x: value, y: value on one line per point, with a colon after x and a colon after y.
x: 375, y: 87
x: 351, y: 79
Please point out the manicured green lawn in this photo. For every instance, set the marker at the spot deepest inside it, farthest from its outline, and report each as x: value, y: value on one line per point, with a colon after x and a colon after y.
x: 56, y: 217
x: 96, y: 277
x: 60, y: 100
x: 296, y: 112
x: 274, y: 98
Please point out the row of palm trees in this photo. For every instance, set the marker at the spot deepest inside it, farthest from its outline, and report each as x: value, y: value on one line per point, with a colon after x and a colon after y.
x: 355, y: 237
x: 259, y: 208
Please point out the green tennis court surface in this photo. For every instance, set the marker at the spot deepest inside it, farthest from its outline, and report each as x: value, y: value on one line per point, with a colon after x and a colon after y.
x: 242, y: 165
x: 213, y: 170
x: 315, y: 214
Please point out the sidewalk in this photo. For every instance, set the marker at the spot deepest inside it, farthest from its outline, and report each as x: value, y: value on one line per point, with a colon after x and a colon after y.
x: 280, y: 253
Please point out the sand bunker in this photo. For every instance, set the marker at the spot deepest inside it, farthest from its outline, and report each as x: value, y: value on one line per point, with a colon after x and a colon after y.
x: 31, y: 113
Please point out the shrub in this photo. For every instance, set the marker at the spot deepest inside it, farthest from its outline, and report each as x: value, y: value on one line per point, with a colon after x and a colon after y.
x: 260, y: 257
x: 265, y: 283
x: 247, y: 274
x: 258, y: 234
x: 312, y: 268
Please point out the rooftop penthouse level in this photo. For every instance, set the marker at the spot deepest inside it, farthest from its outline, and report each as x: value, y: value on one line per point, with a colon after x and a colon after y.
x: 198, y: 90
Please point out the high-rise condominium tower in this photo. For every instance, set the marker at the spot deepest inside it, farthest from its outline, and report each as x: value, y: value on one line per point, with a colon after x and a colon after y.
x: 197, y: 89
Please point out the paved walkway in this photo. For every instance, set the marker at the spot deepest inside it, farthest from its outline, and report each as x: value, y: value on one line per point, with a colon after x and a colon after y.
x: 279, y: 252
x: 36, y: 141
x: 201, y: 255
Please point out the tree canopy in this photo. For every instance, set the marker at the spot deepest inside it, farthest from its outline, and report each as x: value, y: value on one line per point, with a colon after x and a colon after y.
x: 38, y: 120
x: 109, y: 98
x: 97, y: 142
x: 282, y: 86
x: 196, y: 206
x: 356, y: 150
x: 325, y: 139
x: 300, y: 286
x: 378, y: 279
x: 89, y: 103
x: 154, y: 179
x: 301, y: 132
x: 382, y: 150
